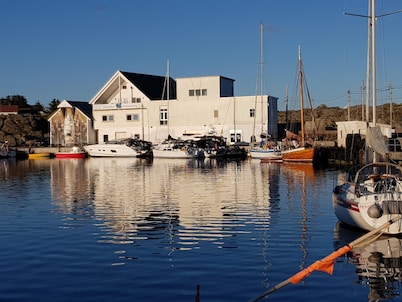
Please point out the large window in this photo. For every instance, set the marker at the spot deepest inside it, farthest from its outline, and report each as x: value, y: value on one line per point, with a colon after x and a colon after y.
x: 163, y: 116
x: 252, y: 112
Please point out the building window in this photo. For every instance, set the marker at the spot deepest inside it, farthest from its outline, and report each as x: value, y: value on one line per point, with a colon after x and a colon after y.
x: 235, y: 136
x: 197, y: 92
x: 107, y: 118
x: 191, y: 92
x: 163, y: 116
x: 135, y: 100
x: 216, y: 113
x: 204, y: 92
x: 252, y: 112
x: 133, y: 117
x: 124, y: 87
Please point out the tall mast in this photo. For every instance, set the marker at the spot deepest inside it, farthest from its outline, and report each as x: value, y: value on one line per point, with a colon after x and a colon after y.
x: 261, y: 75
x: 301, y: 96
x: 368, y: 72
x: 373, y: 60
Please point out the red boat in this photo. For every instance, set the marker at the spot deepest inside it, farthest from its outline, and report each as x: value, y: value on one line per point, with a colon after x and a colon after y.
x: 74, y: 153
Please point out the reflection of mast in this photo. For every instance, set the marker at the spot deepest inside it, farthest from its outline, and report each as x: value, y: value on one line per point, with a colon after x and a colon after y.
x: 300, y: 173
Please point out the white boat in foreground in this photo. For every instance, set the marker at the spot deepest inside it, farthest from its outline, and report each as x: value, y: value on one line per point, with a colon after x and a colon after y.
x: 372, y: 199
x: 124, y: 148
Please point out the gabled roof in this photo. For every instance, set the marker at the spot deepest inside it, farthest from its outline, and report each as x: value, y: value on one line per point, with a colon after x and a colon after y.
x: 152, y: 86
x: 84, y: 107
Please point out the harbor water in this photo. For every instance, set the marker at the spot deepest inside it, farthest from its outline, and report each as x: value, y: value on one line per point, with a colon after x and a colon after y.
x: 121, y: 229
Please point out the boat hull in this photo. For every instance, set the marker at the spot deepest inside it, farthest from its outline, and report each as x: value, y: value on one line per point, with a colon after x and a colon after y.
x: 111, y: 150
x: 266, y: 154
x: 178, y: 153
x: 39, y: 155
x: 299, y: 155
x: 370, y: 201
x: 71, y: 154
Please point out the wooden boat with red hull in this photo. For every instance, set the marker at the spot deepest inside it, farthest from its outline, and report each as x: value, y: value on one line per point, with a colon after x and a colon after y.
x: 301, y: 154
x: 298, y: 150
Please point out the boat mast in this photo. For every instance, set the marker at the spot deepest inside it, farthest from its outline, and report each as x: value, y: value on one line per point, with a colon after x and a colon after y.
x: 261, y: 78
x: 373, y: 61
x: 301, y: 96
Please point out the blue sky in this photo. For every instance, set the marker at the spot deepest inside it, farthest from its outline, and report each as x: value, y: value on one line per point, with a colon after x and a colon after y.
x: 69, y: 49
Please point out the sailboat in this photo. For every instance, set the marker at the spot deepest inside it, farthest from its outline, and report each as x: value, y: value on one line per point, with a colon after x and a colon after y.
x: 266, y: 151
x: 299, y: 151
x: 374, y: 196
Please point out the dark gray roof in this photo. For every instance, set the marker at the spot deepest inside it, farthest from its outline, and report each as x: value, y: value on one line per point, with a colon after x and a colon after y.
x: 152, y: 86
x: 85, y: 107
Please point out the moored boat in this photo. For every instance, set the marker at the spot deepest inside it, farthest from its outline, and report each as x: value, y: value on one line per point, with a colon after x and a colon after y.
x: 121, y: 148
x: 298, y: 150
x: 178, y: 149
x: 6, y: 151
x: 372, y: 198
x: 266, y: 154
x: 300, y: 154
x: 40, y: 155
x: 76, y: 152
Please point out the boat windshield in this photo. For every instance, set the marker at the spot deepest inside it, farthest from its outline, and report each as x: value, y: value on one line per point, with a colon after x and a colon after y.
x: 378, y: 169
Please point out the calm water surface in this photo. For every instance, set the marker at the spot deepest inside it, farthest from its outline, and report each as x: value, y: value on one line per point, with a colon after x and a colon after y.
x: 129, y: 230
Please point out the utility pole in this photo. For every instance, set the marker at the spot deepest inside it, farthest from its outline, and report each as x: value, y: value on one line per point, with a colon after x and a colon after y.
x: 390, y: 104
x: 362, y: 96
x: 348, y: 104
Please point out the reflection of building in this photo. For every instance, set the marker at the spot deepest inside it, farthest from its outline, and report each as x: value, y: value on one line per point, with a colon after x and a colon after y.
x: 70, y: 184
x: 71, y: 124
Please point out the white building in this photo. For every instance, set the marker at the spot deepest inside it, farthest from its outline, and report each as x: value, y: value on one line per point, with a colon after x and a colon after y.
x: 358, y: 127
x: 144, y: 106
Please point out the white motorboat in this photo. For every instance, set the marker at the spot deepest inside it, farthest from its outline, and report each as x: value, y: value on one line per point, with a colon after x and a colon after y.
x: 124, y: 148
x: 177, y: 149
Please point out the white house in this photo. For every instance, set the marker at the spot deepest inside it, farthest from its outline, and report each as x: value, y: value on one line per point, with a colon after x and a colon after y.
x: 152, y: 107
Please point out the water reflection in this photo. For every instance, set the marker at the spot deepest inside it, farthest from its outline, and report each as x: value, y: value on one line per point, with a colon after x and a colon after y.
x: 179, y: 202
x: 378, y: 264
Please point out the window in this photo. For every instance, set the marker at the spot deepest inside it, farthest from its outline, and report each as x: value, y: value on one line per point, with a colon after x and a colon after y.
x: 197, y: 92
x: 191, y: 92
x: 252, y: 112
x: 216, y: 113
x: 135, y: 100
x: 107, y: 118
x: 204, y: 92
x: 133, y: 117
x: 163, y: 120
x: 235, y: 136
x: 124, y: 87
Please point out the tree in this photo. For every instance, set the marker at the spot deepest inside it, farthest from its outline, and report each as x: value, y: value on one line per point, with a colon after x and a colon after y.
x: 53, y: 105
x: 19, y: 100
x: 37, y: 107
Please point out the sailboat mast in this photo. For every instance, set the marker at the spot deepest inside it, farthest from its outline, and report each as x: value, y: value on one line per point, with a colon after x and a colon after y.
x: 301, y: 96
x: 373, y: 60
x: 261, y: 75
